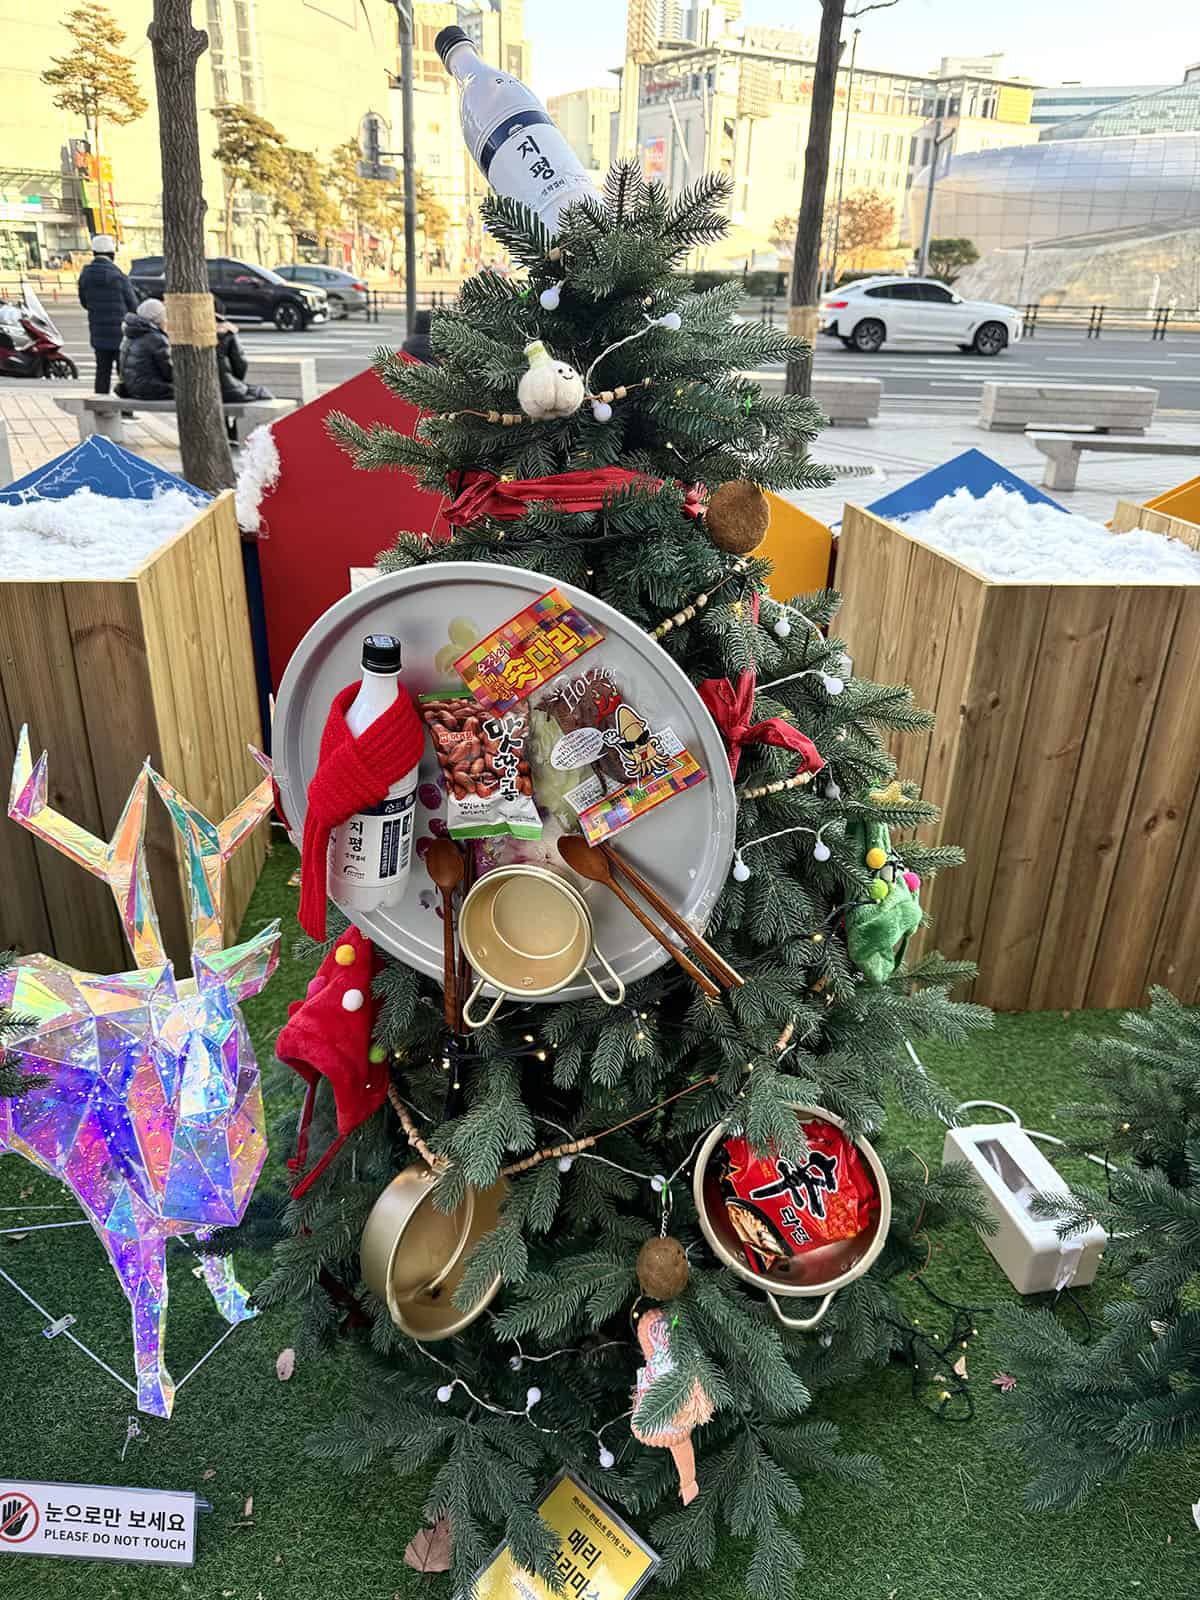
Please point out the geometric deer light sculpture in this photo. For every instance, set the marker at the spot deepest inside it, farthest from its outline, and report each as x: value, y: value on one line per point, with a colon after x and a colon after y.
x: 153, y: 1112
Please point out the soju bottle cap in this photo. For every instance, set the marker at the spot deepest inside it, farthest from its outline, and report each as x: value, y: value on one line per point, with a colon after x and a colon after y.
x: 447, y: 39
x: 381, y: 653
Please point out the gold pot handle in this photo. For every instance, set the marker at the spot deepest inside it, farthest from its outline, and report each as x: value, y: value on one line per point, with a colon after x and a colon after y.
x: 619, y: 988
x: 802, y: 1324
x: 491, y: 1011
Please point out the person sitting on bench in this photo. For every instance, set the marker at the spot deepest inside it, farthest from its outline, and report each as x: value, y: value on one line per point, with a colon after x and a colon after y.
x: 145, y: 362
x: 231, y: 367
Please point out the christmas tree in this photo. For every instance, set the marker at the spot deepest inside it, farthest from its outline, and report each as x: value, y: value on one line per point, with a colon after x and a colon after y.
x: 1087, y: 1412
x: 544, y: 1379
x: 13, y: 1079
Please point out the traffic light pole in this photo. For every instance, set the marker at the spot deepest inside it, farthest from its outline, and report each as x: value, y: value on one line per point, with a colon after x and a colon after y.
x: 404, y: 17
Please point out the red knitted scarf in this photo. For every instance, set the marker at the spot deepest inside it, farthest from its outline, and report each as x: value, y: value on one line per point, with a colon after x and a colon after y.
x: 352, y: 775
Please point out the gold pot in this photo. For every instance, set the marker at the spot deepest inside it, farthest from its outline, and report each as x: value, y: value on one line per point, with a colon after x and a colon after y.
x: 528, y: 933
x: 414, y: 1256
x: 817, y: 1273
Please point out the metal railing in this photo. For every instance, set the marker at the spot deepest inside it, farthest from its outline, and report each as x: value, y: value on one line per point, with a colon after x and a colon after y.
x: 1096, y: 320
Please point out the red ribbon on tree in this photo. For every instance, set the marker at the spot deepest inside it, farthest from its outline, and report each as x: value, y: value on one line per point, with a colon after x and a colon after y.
x: 483, y: 494
x: 732, y: 706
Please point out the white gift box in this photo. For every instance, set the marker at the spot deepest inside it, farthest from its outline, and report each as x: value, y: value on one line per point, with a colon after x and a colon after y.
x: 1011, y: 1170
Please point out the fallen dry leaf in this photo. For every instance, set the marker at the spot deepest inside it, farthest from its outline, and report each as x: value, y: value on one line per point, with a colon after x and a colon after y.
x: 285, y: 1364
x: 209, y: 1472
x: 1005, y: 1382
x: 429, y: 1548
x: 248, y: 1508
x: 960, y: 1366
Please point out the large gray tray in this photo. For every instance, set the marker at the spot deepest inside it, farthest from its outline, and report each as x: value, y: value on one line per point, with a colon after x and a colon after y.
x: 684, y: 847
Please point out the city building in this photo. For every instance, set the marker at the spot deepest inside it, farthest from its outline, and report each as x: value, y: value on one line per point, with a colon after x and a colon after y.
x: 1062, y: 101
x: 740, y: 105
x: 314, y: 68
x: 1104, y: 208
x: 585, y: 117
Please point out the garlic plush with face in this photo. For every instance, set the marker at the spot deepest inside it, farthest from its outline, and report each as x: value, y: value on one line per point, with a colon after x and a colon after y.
x: 550, y: 388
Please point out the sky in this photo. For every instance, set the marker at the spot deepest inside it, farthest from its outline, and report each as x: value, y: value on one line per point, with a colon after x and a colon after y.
x: 1096, y: 41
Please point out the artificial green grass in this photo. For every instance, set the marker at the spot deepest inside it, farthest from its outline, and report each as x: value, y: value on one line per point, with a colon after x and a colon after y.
x: 950, y: 1525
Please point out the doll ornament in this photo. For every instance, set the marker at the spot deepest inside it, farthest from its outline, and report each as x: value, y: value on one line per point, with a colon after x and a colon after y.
x: 550, y: 388
x: 654, y: 1336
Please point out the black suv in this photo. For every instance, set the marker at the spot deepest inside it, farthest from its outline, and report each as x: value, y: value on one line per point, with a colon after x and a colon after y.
x: 243, y: 291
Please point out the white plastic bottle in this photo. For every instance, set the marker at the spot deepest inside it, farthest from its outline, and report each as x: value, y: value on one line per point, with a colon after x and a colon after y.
x: 370, y: 854
x: 510, y: 134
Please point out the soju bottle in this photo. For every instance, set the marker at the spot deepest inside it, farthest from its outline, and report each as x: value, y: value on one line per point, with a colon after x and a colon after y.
x: 510, y: 135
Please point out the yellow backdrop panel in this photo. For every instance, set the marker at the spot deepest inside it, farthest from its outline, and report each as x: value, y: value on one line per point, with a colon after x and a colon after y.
x: 798, y: 548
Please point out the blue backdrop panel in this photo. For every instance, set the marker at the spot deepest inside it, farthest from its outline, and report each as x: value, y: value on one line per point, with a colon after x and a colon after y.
x: 101, y: 466
x: 972, y: 470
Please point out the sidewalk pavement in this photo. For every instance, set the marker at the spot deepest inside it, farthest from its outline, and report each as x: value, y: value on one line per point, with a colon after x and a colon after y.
x: 901, y: 444
x: 38, y: 431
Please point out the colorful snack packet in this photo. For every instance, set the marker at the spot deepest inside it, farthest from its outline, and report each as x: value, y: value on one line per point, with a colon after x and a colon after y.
x: 779, y: 1208
x: 527, y: 651
x: 484, y: 760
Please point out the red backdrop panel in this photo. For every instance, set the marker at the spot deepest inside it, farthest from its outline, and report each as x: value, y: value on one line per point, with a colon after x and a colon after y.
x: 324, y: 516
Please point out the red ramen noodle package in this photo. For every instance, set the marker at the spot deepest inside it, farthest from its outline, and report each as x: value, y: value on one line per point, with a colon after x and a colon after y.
x: 633, y: 765
x: 781, y: 1208
x: 484, y: 758
x: 527, y: 651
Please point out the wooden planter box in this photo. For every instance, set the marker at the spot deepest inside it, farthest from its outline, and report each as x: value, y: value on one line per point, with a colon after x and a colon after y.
x: 106, y: 672
x: 1064, y: 758
x: 1130, y: 515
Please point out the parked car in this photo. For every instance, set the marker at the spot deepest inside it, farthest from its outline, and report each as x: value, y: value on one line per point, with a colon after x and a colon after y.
x: 873, y: 311
x: 244, y: 292
x: 346, y: 292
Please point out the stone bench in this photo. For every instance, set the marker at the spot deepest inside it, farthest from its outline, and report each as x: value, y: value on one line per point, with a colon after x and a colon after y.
x: 1062, y: 452
x: 102, y: 413
x: 1013, y: 407
x: 847, y: 402
x: 287, y: 377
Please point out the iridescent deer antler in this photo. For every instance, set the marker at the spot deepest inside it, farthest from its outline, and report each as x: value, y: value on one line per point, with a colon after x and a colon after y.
x: 209, y: 846
x: 121, y: 863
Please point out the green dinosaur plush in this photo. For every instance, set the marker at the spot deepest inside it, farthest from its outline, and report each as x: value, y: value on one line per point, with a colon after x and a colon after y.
x: 878, y: 930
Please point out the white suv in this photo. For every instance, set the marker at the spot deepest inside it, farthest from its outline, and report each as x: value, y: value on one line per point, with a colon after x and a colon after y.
x: 863, y: 315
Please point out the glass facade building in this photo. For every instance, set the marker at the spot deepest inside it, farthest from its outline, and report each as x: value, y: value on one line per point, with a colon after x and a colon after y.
x: 1105, y: 206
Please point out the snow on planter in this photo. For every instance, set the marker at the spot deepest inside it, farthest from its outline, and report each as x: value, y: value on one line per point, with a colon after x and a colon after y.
x: 88, y: 535
x: 1003, y: 536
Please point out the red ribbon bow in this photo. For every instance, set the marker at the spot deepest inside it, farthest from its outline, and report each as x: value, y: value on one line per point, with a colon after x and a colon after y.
x: 732, y: 706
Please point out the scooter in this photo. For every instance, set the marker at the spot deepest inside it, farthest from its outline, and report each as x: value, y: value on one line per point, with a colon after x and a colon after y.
x: 30, y: 344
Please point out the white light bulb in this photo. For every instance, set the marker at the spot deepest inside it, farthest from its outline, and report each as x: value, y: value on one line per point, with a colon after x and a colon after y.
x: 514, y: 1363
x: 601, y: 410
x: 832, y: 685
x: 740, y: 870
x: 782, y: 628
x: 825, y: 1339
x: 532, y: 1395
x: 607, y: 1459
x: 821, y: 851
x: 549, y: 298
x: 445, y: 1392
x: 565, y: 1163
x: 658, y: 1183
x: 672, y: 321
x: 833, y: 790
x: 353, y: 1000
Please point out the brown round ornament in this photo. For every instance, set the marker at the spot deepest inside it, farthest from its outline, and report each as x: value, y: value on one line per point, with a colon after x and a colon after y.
x: 662, y: 1268
x: 737, y: 517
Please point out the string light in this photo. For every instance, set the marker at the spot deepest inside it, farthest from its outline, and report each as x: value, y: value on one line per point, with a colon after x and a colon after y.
x: 831, y: 684
x: 821, y: 851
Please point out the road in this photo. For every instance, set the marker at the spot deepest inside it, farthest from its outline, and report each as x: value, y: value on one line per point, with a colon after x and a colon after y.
x: 913, y: 380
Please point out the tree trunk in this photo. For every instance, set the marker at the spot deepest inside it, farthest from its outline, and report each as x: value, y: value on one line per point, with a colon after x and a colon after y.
x: 177, y: 46
x: 806, y: 259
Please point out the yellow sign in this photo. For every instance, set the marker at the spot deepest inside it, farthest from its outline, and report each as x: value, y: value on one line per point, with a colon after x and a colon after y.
x: 599, y: 1556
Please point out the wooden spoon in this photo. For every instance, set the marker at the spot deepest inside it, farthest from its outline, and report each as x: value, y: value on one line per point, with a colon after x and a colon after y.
x: 589, y: 863
x: 444, y: 864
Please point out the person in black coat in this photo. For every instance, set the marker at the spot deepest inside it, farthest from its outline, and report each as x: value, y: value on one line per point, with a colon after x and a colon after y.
x: 106, y: 294
x: 419, y: 344
x: 231, y: 368
x: 146, y: 371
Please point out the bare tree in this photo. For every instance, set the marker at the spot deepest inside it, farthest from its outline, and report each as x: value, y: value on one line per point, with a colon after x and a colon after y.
x: 203, y: 443
x: 806, y: 258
